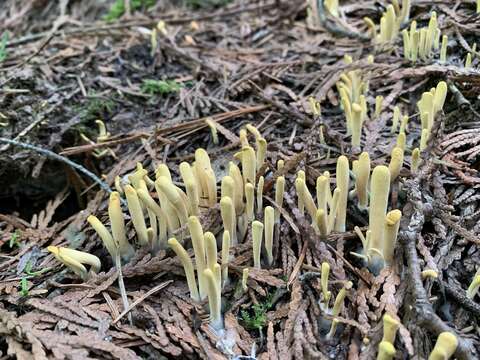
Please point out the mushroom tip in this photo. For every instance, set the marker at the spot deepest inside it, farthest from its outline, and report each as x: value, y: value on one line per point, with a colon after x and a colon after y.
x: 387, y: 348
x: 381, y: 170
x: 114, y: 196
x: 129, y: 189
x: 53, y: 249
x: 208, y: 273
x: 393, y: 217
x: 226, y: 200
x: 201, y: 152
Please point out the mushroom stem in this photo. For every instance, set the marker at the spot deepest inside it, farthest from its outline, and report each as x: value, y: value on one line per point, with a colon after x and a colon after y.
x: 396, y: 163
x: 392, y: 224
x: 214, y: 300
x: 279, y: 191
x: 136, y: 214
x: 210, y: 249
x: 445, y: 346
x: 245, y: 273
x: 257, y: 234
x: 324, y: 284
x: 187, y: 266
x: 190, y: 187
x: 269, y: 228
x: 225, y: 256
x: 390, y: 327
x: 260, y: 184
x: 362, y: 178
x: 198, y: 241
x: 74, y: 260
x: 342, y: 175
x: 227, y: 211
x: 380, y: 189
x: 386, y: 351
x: 107, y: 239
x: 118, y: 226
x: 473, y: 287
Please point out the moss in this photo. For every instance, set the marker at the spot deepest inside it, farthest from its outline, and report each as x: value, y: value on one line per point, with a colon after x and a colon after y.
x: 160, y: 87
x: 14, y: 239
x: 96, y: 108
x: 118, y: 8
x: 3, y: 47
x: 256, y: 318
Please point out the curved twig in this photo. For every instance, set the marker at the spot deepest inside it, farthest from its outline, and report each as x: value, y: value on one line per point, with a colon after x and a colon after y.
x: 335, y: 28
x: 51, y: 155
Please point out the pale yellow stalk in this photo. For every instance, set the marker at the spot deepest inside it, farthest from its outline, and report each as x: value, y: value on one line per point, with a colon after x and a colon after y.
x: 198, y: 244
x: 269, y: 227
x: 343, y: 179
x: 279, y: 192
x: 117, y: 222
x: 257, y: 234
x: 187, y: 266
x: 107, y: 239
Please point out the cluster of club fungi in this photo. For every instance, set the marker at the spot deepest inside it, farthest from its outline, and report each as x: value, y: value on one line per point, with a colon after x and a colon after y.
x: 165, y: 215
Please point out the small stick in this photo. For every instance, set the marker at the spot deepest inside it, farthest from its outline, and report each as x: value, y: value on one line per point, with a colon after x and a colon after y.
x: 51, y: 155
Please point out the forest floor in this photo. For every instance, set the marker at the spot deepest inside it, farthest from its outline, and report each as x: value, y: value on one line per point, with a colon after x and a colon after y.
x: 65, y: 64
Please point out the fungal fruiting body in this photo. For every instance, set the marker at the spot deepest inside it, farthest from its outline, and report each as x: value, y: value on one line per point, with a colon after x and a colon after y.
x: 380, y: 188
x: 362, y: 178
x: 187, y: 266
x: 213, y: 129
x: 245, y: 273
x: 396, y: 163
x: 445, y: 346
x: 214, y: 298
x: 443, y: 49
x: 300, y: 203
x: 390, y: 327
x: 378, y: 105
x: 269, y: 227
x: 190, y: 187
x: 391, y: 21
x: 379, y: 243
x: 474, y: 286
x: 161, y: 216
x: 206, y: 177
x: 227, y: 211
x: 118, y: 226
x: 386, y: 351
x: 422, y: 42
x: 332, y: 7
x: 392, y: 224
x: 279, y: 191
x: 343, y: 176
x: 257, y: 234
x: 198, y: 243
x: 431, y: 103
x: 136, y: 214
x: 104, y: 234
x: 352, y: 89
x: 324, y: 284
x: 260, y: 184
x: 225, y: 256
x: 75, y: 260
x: 337, y: 307
x: 429, y: 273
